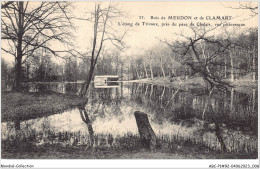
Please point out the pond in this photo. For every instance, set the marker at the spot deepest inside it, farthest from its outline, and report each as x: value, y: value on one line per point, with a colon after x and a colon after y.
x: 176, y: 115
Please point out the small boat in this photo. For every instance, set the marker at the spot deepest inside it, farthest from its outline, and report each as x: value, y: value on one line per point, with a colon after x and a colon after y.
x: 106, y: 81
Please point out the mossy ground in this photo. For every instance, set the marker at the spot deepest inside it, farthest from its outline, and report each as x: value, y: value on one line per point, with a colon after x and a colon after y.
x: 25, y: 105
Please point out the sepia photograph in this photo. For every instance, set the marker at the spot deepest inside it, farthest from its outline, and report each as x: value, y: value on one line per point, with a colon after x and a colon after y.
x: 132, y: 80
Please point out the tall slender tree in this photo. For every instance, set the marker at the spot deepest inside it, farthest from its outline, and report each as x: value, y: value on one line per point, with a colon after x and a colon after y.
x: 102, y: 18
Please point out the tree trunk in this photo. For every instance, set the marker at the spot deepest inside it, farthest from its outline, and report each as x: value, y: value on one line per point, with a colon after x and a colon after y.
x: 225, y: 68
x: 28, y: 72
x: 206, y: 104
x: 253, y: 75
x: 162, y: 69
x: 220, y: 137
x: 122, y: 69
x: 18, y: 67
x: 85, y: 118
x: 161, y: 97
x: 145, y: 70
x: 232, y: 69
x: 147, y: 135
x: 85, y: 86
x: 122, y: 91
x: 151, y: 69
x: 254, y: 98
x: 138, y: 76
x: 146, y: 89
x: 218, y: 130
x: 254, y: 66
x: 133, y: 72
x: 151, y: 92
x: 172, y: 68
x: 186, y: 72
x: 231, y: 101
x: 45, y: 72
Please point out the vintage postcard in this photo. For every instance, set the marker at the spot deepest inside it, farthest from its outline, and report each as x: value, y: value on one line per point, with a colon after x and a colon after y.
x: 128, y: 81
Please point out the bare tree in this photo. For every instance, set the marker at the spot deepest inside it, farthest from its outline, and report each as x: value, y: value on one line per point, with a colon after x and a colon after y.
x: 202, y: 52
x: 28, y: 26
x: 103, y: 30
x: 247, y: 5
x: 5, y: 4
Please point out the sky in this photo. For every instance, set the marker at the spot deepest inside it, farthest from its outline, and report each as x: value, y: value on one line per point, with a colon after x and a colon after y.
x: 143, y: 37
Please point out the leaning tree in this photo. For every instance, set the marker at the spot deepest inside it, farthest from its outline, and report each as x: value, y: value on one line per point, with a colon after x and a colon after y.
x: 102, y: 18
x: 203, y: 52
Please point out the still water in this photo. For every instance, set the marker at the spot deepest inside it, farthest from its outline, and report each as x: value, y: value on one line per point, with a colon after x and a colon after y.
x: 173, y: 113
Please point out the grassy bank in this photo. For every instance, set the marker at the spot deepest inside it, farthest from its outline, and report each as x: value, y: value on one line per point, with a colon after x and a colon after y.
x: 24, y: 106
x: 128, y: 146
x: 52, y: 151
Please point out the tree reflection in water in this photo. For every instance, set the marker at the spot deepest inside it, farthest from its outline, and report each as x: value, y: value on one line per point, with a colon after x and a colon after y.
x: 219, y: 121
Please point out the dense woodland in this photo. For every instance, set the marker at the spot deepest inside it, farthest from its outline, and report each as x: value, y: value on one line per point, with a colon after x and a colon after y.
x: 28, y: 31
x: 213, y: 58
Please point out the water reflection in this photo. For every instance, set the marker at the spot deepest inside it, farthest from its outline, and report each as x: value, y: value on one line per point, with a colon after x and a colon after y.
x: 64, y: 87
x: 221, y: 120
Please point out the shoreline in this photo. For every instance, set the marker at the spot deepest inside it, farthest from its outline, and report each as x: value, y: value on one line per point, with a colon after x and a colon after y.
x: 19, y: 106
x: 238, y: 84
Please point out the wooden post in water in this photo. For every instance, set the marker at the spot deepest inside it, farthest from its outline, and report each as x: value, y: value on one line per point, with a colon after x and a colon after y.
x: 147, y: 135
